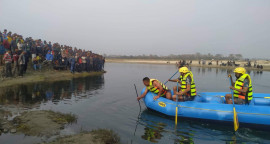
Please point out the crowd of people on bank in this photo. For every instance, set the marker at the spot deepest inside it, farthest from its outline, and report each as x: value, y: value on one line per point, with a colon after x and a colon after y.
x: 17, y: 53
x: 232, y: 63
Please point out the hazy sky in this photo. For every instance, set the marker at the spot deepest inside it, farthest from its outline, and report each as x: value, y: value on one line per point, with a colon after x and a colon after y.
x: 135, y: 27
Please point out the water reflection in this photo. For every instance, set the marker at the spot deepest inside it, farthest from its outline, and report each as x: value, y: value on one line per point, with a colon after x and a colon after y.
x: 158, y: 127
x: 257, y: 73
x: 35, y: 93
x: 153, y: 134
x: 229, y: 71
x: 209, y: 69
x: 202, y: 70
x: 155, y: 125
x: 184, y: 137
x: 153, y: 128
x: 223, y: 70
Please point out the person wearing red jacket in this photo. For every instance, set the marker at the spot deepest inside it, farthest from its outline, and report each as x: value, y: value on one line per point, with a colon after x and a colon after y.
x: 8, y: 60
x: 79, y: 69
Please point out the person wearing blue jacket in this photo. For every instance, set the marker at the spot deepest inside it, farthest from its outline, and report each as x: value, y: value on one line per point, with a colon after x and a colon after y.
x: 49, y: 56
x: 72, y: 64
x: 2, y: 49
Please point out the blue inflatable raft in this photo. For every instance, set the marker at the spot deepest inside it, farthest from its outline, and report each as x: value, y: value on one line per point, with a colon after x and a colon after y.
x: 210, y: 106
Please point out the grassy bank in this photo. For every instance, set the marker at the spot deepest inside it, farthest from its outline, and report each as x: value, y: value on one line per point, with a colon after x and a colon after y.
x: 48, y: 75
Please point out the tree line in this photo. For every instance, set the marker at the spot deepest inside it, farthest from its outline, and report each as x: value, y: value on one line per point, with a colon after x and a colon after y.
x: 197, y: 56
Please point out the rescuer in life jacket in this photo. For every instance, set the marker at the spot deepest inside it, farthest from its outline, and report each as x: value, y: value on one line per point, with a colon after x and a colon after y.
x: 242, y: 89
x: 157, y: 87
x: 187, y: 89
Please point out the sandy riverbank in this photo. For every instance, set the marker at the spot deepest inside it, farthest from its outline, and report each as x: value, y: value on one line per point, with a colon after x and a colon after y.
x: 264, y: 63
x: 50, y: 75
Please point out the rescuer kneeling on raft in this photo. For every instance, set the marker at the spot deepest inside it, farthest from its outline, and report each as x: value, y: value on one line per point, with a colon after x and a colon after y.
x: 155, y: 86
x: 242, y: 90
x: 187, y: 89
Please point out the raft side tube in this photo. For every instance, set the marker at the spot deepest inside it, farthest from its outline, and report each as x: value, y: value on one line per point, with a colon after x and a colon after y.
x: 211, y: 108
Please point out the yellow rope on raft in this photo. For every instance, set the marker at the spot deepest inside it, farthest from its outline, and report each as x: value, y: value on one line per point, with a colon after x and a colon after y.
x: 176, y: 114
x: 256, y: 97
x: 211, y: 109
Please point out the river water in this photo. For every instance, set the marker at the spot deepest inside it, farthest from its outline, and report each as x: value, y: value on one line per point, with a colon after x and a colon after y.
x: 109, y: 101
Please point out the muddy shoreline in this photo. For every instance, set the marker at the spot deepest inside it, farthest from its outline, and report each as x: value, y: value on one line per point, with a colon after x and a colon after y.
x: 36, y: 123
x: 46, y: 76
x: 99, y: 136
x: 46, y: 123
